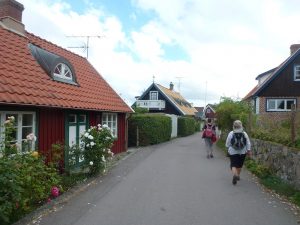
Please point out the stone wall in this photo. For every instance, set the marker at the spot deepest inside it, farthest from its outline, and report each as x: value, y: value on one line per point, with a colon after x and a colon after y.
x: 283, y: 161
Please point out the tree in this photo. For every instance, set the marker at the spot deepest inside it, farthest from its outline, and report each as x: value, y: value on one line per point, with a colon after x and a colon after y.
x: 229, y: 110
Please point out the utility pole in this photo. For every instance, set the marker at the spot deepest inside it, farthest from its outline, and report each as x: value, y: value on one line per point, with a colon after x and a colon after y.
x: 86, y: 45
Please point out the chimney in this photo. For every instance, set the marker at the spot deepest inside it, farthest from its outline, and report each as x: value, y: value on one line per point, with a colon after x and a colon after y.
x: 11, y: 16
x: 171, y: 86
x: 294, y: 48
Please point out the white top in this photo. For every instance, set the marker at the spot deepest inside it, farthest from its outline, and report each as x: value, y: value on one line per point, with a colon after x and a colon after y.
x: 232, y: 151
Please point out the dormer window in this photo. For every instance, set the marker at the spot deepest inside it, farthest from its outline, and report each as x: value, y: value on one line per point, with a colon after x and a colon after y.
x: 63, y: 71
x: 57, y: 67
x: 297, y: 73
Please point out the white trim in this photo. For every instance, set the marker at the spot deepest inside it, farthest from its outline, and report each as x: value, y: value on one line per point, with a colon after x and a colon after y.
x: 63, y: 70
x: 277, y: 101
x: 153, y: 92
x: 257, y: 102
x: 20, y: 125
x: 112, y: 123
x: 297, y: 72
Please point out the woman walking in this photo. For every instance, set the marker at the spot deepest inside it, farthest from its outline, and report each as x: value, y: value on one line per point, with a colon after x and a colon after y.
x: 238, y: 144
x: 209, y: 135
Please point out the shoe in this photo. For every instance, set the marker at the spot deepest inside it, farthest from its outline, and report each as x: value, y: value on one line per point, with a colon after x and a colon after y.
x: 211, y: 156
x: 207, y: 156
x: 234, y: 179
x: 238, y: 178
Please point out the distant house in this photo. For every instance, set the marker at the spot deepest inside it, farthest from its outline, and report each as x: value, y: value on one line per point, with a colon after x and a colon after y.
x: 209, y: 112
x: 51, y: 91
x: 159, y: 99
x: 278, y: 89
x: 199, y: 113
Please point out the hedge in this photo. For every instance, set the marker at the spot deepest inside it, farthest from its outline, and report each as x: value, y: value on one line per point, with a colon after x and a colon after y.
x: 152, y: 129
x: 186, y: 126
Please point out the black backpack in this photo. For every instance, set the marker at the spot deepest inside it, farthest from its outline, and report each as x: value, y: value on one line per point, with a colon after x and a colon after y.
x: 238, y: 140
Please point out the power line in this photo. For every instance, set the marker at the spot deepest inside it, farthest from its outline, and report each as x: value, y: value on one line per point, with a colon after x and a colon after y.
x: 86, y: 45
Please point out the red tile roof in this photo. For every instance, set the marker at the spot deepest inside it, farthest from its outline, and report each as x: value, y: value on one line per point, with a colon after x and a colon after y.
x: 24, y: 82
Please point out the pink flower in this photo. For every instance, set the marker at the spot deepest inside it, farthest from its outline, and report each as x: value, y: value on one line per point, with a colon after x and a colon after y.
x: 31, y: 137
x: 55, y: 192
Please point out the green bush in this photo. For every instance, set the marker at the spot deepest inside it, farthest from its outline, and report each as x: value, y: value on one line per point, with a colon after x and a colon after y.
x: 25, y: 184
x: 186, y: 126
x: 97, y: 142
x: 152, y: 129
x: 197, y: 126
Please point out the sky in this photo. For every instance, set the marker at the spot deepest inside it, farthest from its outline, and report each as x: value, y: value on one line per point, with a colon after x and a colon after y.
x: 209, y: 49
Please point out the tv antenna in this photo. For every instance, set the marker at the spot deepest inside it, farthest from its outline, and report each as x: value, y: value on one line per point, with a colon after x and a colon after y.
x: 85, y: 46
x: 179, y: 82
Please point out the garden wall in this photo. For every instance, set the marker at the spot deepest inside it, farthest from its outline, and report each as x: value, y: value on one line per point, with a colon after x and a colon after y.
x: 283, y: 161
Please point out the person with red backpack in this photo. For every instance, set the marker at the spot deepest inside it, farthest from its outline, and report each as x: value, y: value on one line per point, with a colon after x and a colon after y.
x: 209, y: 136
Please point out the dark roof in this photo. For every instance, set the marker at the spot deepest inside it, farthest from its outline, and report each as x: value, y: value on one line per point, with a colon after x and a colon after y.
x: 25, y: 82
x: 265, y: 73
x: 175, y: 98
x: 275, y: 72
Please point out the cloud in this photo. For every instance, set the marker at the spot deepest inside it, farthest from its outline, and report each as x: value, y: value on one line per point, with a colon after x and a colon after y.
x: 224, y: 46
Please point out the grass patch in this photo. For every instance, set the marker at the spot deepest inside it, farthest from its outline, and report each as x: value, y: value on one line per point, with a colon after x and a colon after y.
x: 273, y: 182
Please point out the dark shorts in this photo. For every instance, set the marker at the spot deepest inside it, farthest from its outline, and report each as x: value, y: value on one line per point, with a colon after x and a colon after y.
x: 237, y: 160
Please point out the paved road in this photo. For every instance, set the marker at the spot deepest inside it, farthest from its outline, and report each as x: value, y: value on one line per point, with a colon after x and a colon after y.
x: 172, y: 184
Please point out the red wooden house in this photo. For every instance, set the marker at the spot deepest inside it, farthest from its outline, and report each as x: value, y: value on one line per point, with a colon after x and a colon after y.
x: 209, y: 112
x: 51, y: 91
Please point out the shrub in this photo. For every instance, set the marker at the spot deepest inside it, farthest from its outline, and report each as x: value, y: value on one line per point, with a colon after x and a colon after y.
x: 25, y: 183
x: 151, y: 129
x: 97, y: 142
x: 186, y: 126
x: 25, y: 180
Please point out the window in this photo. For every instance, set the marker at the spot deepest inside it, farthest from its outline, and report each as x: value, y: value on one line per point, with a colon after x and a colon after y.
x: 280, y: 104
x: 297, y: 73
x: 153, y: 95
x: 24, y: 125
x: 110, y: 120
x: 63, y: 71
x: 77, y: 124
x: 56, y: 66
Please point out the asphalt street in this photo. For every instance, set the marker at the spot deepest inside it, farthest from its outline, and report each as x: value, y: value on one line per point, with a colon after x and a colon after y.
x: 172, y: 184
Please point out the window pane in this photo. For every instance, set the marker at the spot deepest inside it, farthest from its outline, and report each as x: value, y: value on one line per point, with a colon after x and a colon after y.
x: 15, y: 116
x: 82, y: 118
x: 271, y: 104
x: 280, y: 104
x: 289, y: 104
x: 27, y: 120
x: 297, y: 72
x: 26, y: 131
x: 72, y: 118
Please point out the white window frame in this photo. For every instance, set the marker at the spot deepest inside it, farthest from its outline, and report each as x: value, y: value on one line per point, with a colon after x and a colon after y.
x: 277, y: 102
x: 297, y: 73
x: 153, y: 95
x: 63, y: 71
x: 111, y: 120
x: 19, y: 140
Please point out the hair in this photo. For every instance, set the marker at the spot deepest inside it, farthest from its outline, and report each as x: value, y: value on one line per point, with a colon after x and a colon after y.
x: 237, y: 124
x: 209, y: 120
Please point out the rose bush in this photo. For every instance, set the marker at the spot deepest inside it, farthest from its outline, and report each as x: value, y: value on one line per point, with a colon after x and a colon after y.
x: 25, y: 179
x: 96, y: 144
